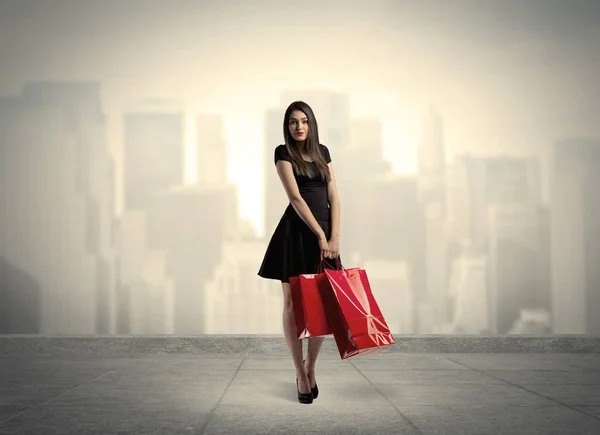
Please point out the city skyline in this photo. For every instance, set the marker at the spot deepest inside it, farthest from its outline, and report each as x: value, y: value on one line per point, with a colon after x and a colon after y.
x: 248, y: 175
x: 186, y: 247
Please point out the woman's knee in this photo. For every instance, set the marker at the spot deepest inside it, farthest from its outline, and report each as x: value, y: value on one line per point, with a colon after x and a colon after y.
x: 287, y: 296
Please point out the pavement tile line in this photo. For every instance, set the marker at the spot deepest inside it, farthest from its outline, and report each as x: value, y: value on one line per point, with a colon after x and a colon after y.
x: 525, y: 389
x: 586, y: 368
x: 56, y: 397
x: 18, y: 414
x: 387, y: 399
x: 211, y: 415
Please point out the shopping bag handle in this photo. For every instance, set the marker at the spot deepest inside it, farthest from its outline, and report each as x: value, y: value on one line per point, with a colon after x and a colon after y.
x: 324, y: 260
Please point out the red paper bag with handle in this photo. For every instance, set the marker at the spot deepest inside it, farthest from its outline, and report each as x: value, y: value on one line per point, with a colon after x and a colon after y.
x: 309, y: 311
x: 354, y: 316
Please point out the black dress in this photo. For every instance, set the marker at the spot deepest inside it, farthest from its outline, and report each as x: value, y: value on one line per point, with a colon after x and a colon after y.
x: 294, y: 248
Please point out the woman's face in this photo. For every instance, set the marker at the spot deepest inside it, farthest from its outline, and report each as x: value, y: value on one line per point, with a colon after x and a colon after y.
x: 298, y: 125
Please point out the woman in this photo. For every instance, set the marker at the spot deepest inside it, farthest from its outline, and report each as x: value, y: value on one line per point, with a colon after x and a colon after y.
x: 308, y: 232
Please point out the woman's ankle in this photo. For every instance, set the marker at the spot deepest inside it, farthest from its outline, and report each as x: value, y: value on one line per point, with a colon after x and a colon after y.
x: 302, y: 376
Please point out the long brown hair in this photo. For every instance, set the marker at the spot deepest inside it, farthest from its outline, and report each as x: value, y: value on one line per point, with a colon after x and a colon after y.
x: 312, y: 147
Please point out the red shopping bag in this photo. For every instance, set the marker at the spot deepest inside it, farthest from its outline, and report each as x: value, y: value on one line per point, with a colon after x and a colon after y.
x: 354, y: 316
x: 309, y: 311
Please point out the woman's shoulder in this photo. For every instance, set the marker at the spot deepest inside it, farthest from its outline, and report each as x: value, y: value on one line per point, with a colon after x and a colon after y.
x: 281, y: 153
x: 323, y: 148
x: 325, y: 152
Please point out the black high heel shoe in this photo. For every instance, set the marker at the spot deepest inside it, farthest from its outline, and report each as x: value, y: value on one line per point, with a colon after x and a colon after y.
x: 315, y: 390
x: 303, y: 397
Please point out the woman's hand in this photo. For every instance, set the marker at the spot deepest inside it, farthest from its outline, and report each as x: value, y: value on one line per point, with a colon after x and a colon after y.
x: 324, y: 246
x: 334, y: 247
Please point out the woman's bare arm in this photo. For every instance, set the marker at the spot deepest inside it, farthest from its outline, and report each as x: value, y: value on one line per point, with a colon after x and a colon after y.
x: 334, y: 204
x: 286, y: 174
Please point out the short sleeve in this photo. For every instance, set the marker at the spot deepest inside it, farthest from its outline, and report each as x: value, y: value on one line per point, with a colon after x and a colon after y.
x: 281, y: 153
x: 326, y: 154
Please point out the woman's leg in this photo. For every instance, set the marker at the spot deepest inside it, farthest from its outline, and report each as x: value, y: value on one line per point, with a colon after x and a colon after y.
x: 314, y: 343
x: 314, y: 346
x: 294, y: 344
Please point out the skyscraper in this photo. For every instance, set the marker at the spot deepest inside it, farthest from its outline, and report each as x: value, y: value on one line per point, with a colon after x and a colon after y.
x: 476, y: 182
x: 211, y: 150
x: 58, y: 230
x: 146, y: 291
x: 432, y: 159
x: 469, y: 292
x: 153, y: 153
x: 517, y: 262
x: 365, y: 192
x: 459, y: 194
x: 189, y: 224
x: 575, y: 237
x: 432, y: 173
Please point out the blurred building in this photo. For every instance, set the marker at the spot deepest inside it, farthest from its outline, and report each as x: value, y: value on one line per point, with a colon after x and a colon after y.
x: 153, y: 161
x: 468, y: 290
x: 237, y: 302
x: 146, y: 291
x: 476, y: 182
x: 386, y: 227
x: 20, y: 289
x: 57, y: 180
x: 211, y: 150
x: 365, y: 192
x: 495, y: 205
x: 432, y: 194
x: 153, y: 154
x: 178, y: 229
x: 190, y: 224
x: 432, y: 157
x: 460, y: 193
x: 388, y: 219
x: 532, y: 322
x: 575, y: 233
x: 156, y: 299
x: 518, y: 260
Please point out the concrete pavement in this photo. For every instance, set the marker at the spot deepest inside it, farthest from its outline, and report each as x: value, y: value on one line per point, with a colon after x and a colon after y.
x: 99, y: 389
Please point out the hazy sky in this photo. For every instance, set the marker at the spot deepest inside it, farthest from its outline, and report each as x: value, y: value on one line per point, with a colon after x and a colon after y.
x: 507, y: 76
